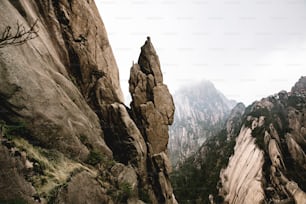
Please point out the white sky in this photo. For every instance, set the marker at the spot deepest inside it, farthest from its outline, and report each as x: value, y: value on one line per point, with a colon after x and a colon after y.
x: 249, y: 48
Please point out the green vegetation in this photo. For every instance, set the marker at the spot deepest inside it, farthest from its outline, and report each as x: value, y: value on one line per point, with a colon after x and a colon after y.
x: 277, y: 117
x: 144, y: 196
x: 14, y: 201
x: 296, y: 101
x: 126, y: 189
x: 50, y: 170
x: 8, y: 131
x: 203, y: 180
x: 96, y: 157
x: 120, y: 194
x: 259, y: 133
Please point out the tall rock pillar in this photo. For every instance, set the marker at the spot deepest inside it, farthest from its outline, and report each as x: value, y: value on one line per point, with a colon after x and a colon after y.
x: 153, y: 110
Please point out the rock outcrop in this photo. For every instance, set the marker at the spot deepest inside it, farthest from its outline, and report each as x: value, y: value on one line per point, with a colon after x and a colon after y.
x: 259, y: 156
x: 268, y: 164
x: 241, y: 180
x: 201, y: 112
x: 200, y: 172
x: 153, y: 110
x: 66, y: 136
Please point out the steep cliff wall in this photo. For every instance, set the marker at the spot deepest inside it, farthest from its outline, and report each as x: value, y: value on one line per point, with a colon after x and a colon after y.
x: 200, y: 172
x: 66, y: 136
x: 259, y: 156
x: 268, y: 164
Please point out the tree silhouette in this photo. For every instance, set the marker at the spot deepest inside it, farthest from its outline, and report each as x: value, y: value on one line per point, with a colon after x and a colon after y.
x: 20, y: 36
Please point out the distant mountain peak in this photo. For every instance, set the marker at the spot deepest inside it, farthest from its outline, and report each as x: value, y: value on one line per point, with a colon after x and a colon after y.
x: 201, y: 110
x: 257, y: 157
x: 300, y: 85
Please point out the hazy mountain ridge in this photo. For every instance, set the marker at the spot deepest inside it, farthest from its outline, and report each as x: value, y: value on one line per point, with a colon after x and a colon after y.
x: 200, y: 172
x: 262, y: 160
x: 201, y: 111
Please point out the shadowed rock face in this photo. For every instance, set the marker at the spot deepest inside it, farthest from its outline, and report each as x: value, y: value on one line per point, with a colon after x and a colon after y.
x: 153, y: 109
x: 47, y: 81
x: 152, y: 103
x: 66, y: 136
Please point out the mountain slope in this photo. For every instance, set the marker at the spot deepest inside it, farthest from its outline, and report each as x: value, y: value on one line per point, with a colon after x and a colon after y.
x: 260, y: 160
x: 201, y: 111
x: 200, y: 172
x: 269, y: 160
x: 66, y: 136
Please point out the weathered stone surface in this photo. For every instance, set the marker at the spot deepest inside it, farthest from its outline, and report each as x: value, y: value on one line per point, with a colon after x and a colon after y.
x: 153, y: 110
x: 300, y: 86
x: 83, y: 188
x: 234, y: 120
x: 126, y: 174
x: 63, y: 86
x: 124, y: 138
x: 149, y: 62
x: 13, y: 185
x: 162, y: 162
x: 296, y: 151
x: 298, y: 195
x: 241, y: 180
x: 44, y: 97
x: 164, y: 103
x: 151, y: 99
x: 275, y: 126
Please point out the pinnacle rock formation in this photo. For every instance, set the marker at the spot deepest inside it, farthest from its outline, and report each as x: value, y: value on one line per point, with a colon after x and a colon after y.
x: 151, y: 99
x: 66, y: 136
x: 153, y: 109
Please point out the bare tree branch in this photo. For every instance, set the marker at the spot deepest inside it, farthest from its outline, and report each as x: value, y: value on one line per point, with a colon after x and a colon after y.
x: 20, y: 36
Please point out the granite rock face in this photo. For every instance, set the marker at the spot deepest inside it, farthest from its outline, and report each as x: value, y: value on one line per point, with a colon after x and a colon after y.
x: 268, y: 164
x: 66, y: 136
x: 200, y: 172
x: 258, y: 157
x: 151, y: 99
x: 153, y: 110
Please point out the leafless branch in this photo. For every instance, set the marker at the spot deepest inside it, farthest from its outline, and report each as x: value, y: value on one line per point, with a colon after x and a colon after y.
x: 20, y: 36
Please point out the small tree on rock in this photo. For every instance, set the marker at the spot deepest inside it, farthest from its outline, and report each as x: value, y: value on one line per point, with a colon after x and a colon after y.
x: 18, y: 37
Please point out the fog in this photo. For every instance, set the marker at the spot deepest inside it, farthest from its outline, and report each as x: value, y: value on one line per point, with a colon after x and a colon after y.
x: 248, y: 49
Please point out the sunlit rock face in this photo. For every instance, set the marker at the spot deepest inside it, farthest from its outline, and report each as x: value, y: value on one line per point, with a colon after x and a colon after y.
x: 201, y: 112
x: 258, y: 156
x: 200, y: 172
x: 66, y: 136
x: 244, y: 172
x: 268, y: 164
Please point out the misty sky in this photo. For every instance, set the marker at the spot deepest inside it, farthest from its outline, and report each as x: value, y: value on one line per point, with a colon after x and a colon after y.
x: 249, y: 48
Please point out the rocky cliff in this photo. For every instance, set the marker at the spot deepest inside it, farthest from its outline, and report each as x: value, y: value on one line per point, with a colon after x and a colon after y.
x: 259, y: 156
x: 201, y: 111
x: 66, y: 136
x: 268, y: 164
x: 200, y: 172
